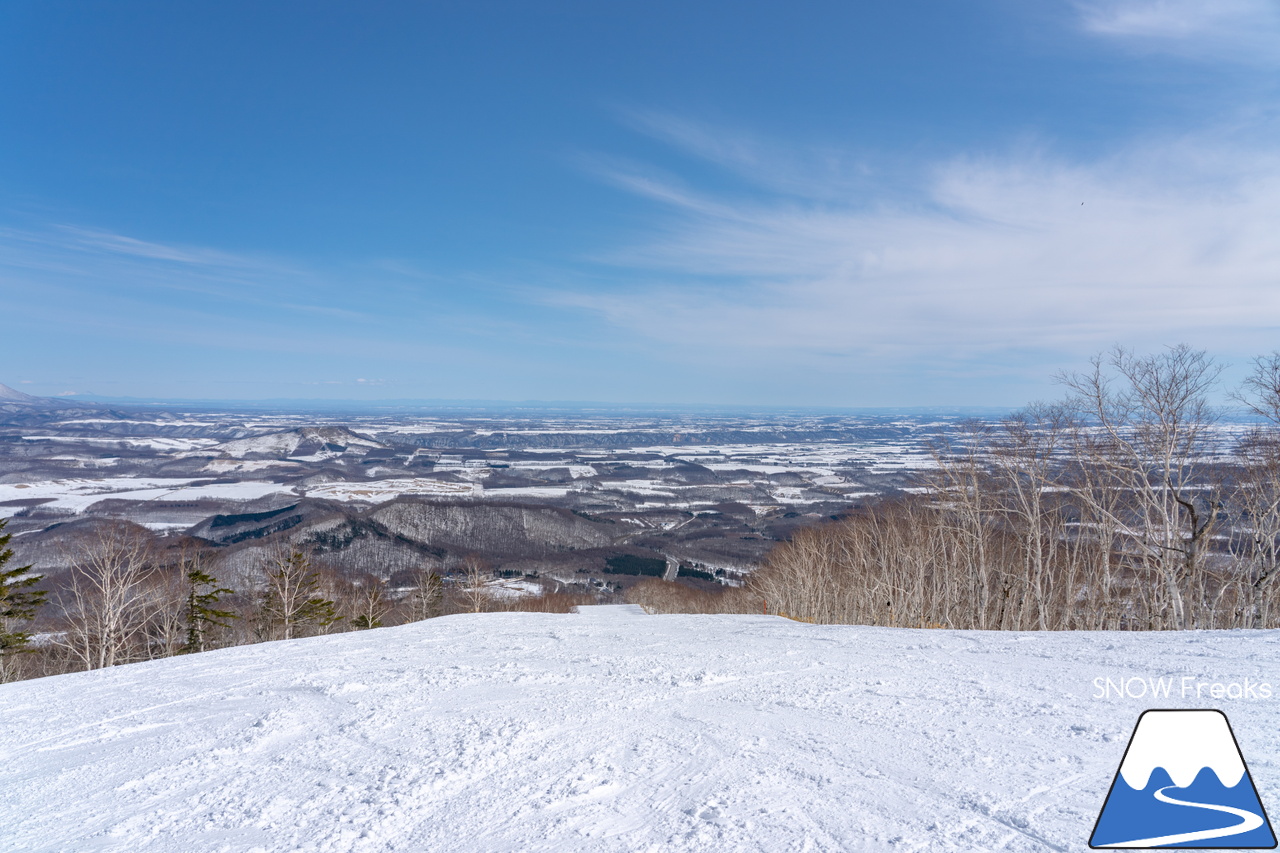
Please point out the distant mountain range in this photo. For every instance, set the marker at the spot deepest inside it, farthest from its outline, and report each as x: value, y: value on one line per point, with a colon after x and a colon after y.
x: 12, y: 400
x: 481, y: 406
x: 11, y: 395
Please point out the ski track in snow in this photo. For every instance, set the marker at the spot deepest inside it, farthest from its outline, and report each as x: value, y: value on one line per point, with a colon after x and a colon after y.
x: 606, y: 730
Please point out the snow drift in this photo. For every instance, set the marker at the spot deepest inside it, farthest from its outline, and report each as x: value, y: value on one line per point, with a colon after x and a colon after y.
x: 604, y: 730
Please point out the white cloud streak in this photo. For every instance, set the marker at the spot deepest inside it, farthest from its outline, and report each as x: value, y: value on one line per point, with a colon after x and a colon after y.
x: 92, y: 239
x: 73, y: 282
x: 1240, y: 31
x: 1162, y: 242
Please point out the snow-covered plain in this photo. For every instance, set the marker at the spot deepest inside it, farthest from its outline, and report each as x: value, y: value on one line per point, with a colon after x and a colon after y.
x: 77, y: 495
x: 605, y: 730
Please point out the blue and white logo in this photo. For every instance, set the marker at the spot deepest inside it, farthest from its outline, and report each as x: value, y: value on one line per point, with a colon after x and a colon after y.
x: 1183, y: 783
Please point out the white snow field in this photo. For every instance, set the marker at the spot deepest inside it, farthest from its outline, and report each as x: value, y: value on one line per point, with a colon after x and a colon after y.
x: 607, y: 730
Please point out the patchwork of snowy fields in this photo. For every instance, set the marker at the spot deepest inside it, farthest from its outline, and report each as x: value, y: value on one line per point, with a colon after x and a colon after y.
x: 78, y: 494
x: 607, y: 730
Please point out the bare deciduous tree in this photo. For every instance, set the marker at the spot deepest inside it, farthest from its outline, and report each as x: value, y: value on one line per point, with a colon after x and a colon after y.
x: 1097, y: 513
x: 1153, y: 418
x: 291, y: 598
x: 1258, y: 496
x: 1025, y: 459
x: 368, y: 602
x: 476, y: 575
x: 426, y: 599
x: 109, y: 605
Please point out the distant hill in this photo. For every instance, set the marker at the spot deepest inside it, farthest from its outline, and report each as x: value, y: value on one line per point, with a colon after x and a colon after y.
x: 13, y: 401
x: 304, y: 441
x: 10, y: 395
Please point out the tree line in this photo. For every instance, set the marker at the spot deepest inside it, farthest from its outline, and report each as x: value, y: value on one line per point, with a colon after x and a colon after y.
x: 1125, y: 505
x: 125, y: 599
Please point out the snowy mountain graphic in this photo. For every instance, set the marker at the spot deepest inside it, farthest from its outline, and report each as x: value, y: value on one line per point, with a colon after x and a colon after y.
x: 1183, y: 783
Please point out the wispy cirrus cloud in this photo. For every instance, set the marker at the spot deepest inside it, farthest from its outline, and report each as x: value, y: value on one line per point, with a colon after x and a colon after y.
x: 809, y: 171
x: 77, y: 280
x: 985, y: 256
x: 1233, y: 31
x: 72, y: 257
x: 119, y: 244
x: 92, y: 263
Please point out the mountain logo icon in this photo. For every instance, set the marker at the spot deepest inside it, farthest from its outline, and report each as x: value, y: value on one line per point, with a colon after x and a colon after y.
x: 1183, y: 784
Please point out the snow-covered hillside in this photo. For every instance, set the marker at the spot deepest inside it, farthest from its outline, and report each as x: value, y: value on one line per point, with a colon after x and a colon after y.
x: 606, y: 730
x: 292, y: 442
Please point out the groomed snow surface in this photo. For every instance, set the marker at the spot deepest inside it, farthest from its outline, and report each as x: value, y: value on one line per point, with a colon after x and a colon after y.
x: 604, y: 730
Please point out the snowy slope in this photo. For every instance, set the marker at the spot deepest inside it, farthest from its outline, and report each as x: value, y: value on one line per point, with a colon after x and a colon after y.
x: 12, y: 395
x: 604, y: 731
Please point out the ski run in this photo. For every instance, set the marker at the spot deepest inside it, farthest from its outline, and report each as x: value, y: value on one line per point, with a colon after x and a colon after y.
x: 611, y: 730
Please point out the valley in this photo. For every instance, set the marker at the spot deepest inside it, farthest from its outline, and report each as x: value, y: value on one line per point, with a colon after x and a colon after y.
x: 531, y: 492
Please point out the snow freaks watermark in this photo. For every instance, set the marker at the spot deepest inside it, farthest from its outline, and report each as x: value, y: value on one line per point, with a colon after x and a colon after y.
x: 1180, y: 687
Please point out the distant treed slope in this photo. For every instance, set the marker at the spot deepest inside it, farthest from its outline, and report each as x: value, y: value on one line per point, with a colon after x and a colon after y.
x: 229, y: 529
x: 529, y: 530
x: 404, y: 534
x: 470, y: 526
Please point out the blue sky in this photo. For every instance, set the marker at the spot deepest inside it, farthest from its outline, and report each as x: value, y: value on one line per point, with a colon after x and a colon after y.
x: 756, y: 203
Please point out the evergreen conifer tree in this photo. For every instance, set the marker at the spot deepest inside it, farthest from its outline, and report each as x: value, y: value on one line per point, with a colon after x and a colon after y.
x: 201, y: 610
x: 18, y: 604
